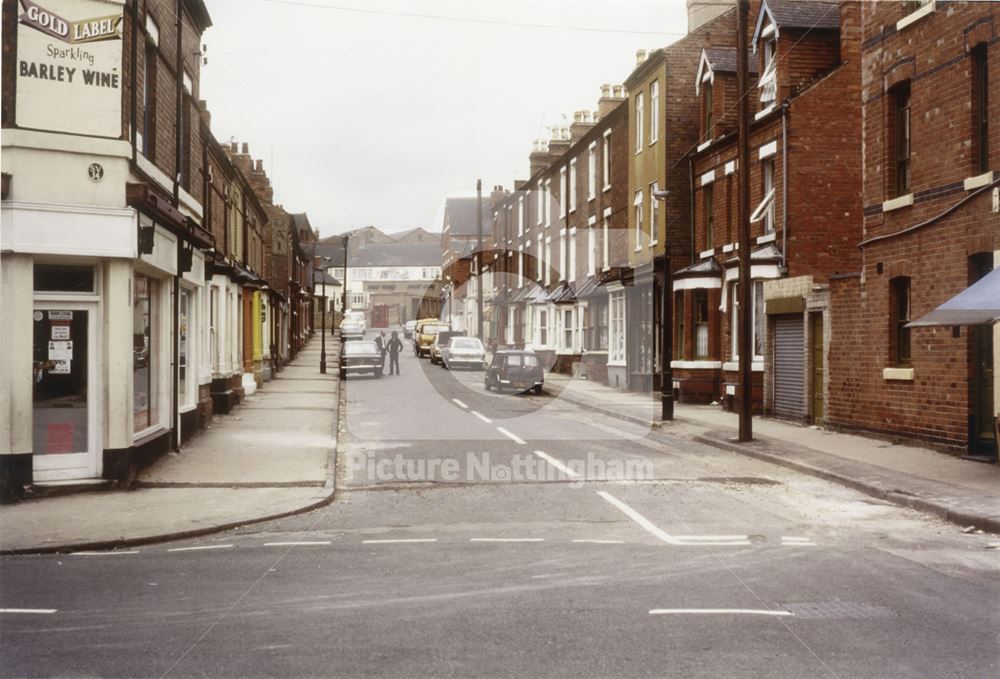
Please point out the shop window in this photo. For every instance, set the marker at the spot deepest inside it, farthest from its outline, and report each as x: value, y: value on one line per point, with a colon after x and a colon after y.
x: 183, y: 346
x: 701, y: 324
x: 899, y: 298
x: 63, y: 278
x: 144, y: 324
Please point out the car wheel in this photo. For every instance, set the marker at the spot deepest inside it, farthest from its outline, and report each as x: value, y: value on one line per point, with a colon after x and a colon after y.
x: 486, y: 383
x: 538, y: 390
x: 378, y: 374
x: 343, y: 374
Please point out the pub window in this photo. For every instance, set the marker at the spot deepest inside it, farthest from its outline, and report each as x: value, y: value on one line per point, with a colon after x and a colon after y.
x: 981, y: 107
x: 63, y: 278
x: 899, y: 295
x: 144, y: 369
x: 900, y: 97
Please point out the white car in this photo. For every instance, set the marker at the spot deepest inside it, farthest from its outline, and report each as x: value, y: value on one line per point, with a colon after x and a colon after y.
x: 466, y: 352
x: 357, y: 317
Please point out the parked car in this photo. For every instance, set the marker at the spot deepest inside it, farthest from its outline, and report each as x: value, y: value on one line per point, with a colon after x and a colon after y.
x: 464, y: 352
x: 515, y: 370
x: 358, y: 317
x: 408, y: 329
x: 351, y: 330
x: 441, y: 341
x: 424, y: 333
x: 361, y: 356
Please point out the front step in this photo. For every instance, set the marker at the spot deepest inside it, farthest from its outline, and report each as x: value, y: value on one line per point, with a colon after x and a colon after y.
x: 41, y: 489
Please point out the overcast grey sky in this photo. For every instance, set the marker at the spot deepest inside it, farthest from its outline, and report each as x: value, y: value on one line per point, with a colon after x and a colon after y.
x: 373, y: 118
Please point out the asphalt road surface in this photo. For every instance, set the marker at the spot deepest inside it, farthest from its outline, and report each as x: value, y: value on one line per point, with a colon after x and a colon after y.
x: 520, y: 536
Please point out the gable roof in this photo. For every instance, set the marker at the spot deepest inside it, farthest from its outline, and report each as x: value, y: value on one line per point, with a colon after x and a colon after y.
x: 807, y: 14
x: 460, y: 217
x: 719, y: 60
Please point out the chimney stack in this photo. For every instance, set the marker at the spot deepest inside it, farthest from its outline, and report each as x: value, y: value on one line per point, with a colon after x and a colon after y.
x: 582, y: 122
x: 539, y: 157
x: 640, y: 56
x: 611, y: 96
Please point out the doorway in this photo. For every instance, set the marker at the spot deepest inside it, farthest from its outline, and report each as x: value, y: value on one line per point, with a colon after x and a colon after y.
x: 65, y: 391
x: 982, y: 438
x: 816, y: 351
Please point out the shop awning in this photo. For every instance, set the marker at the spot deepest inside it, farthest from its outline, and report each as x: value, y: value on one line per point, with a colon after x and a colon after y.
x: 979, y: 304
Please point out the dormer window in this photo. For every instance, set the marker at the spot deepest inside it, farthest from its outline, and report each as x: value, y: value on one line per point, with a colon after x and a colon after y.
x: 768, y: 84
x: 709, y: 110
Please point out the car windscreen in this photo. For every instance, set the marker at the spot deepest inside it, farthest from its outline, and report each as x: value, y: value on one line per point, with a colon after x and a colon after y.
x: 466, y: 344
x: 433, y: 329
x: 360, y: 348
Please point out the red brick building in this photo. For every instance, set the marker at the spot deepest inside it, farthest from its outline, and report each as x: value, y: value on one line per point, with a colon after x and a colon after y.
x: 805, y: 180
x: 931, y: 227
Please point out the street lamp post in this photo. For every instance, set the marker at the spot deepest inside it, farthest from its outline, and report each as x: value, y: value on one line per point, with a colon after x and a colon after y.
x: 322, y: 314
x: 666, y: 329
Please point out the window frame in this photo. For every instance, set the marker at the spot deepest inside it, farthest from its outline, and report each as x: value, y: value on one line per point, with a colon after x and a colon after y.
x: 654, y: 112
x: 902, y: 139
x: 981, y: 106
x: 640, y: 105
x: 708, y: 205
x: 900, y: 312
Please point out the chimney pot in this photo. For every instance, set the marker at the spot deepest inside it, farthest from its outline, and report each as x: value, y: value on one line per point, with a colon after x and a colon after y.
x: 640, y: 56
x: 246, y: 147
x: 259, y: 166
x: 605, y: 91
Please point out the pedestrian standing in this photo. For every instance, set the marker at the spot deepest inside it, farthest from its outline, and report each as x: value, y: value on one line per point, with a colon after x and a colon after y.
x: 393, y: 347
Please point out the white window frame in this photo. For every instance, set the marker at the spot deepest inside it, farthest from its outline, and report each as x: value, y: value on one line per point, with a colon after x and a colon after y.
x: 759, y: 325
x: 571, y: 274
x: 654, y: 214
x: 592, y: 246
x: 592, y: 171
x: 606, y: 161
x: 548, y: 260
x: 637, y: 204
x: 520, y: 216
x: 520, y: 267
x: 654, y: 112
x: 540, y: 192
x: 562, y: 254
x: 562, y: 191
x: 548, y: 192
x: 640, y: 104
x: 606, y: 241
x: 572, y: 185
x: 617, y: 329
x: 540, y: 259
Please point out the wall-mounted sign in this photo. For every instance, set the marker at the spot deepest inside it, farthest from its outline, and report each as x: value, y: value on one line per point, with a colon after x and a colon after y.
x: 69, y: 63
x: 96, y: 172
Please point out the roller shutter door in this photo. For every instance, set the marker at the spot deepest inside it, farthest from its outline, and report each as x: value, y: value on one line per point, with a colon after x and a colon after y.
x: 789, y: 366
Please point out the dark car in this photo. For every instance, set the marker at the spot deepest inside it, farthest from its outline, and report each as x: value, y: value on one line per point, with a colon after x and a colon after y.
x: 515, y: 370
x: 361, y: 356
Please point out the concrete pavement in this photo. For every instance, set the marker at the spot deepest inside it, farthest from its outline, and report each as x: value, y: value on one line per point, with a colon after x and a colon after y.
x: 960, y: 491
x: 272, y: 456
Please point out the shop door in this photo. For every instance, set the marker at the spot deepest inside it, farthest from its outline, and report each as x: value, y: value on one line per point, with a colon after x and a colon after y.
x: 789, y: 367
x: 65, y: 393
x: 816, y: 343
x: 983, y: 435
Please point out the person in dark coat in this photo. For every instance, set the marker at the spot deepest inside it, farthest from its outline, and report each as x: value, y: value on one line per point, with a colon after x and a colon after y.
x: 393, y: 347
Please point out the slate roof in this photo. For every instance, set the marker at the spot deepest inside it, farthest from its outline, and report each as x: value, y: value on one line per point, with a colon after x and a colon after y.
x: 804, y: 13
x: 724, y: 60
x: 381, y: 254
x: 706, y: 267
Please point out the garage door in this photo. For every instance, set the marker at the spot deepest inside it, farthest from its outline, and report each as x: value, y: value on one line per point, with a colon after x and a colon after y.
x: 789, y: 367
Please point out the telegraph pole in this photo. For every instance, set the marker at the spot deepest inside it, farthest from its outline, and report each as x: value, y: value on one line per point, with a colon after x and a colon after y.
x: 479, y: 260
x: 745, y: 334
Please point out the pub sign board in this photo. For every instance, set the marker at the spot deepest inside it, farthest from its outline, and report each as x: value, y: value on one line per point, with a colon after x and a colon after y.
x: 69, y: 66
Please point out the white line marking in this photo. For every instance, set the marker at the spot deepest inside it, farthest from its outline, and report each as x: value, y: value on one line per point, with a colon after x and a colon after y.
x: 513, y: 437
x: 506, y: 539
x: 134, y: 551
x: 42, y: 611
x: 460, y: 404
x: 638, y: 518
x: 713, y: 538
x: 295, y: 544
x: 397, y: 540
x: 482, y: 417
x: 556, y: 463
x: 197, y: 549
x: 727, y: 543
x: 722, y: 611
x: 602, y: 542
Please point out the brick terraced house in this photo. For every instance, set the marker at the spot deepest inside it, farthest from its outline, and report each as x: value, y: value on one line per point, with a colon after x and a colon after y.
x: 931, y: 228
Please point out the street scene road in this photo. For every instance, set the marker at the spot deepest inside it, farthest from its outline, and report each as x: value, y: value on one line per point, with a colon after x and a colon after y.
x: 518, y: 535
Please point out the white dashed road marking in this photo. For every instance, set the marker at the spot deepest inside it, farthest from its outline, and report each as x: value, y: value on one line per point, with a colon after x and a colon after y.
x: 460, y: 404
x: 199, y: 549
x: 648, y: 525
x: 297, y: 544
x: 556, y: 463
x: 506, y: 539
x: 133, y: 551
x: 513, y: 437
x: 28, y: 611
x: 719, y: 611
x: 602, y: 542
x: 482, y: 417
x: 397, y: 541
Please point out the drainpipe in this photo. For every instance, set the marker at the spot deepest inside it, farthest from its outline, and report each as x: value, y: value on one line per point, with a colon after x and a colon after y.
x: 175, y: 438
x: 134, y: 17
x: 784, y: 182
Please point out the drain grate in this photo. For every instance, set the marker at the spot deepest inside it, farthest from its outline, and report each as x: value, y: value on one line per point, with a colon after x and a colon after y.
x: 837, y: 610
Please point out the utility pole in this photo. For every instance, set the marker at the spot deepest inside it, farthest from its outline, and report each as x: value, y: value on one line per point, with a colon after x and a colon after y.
x: 745, y: 334
x: 343, y: 296
x: 479, y: 260
x: 322, y: 321
x: 666, y: 324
